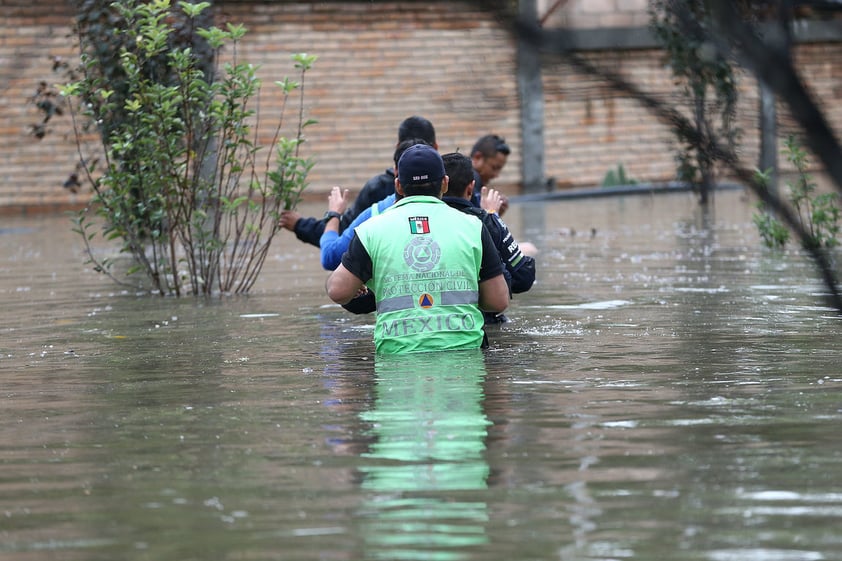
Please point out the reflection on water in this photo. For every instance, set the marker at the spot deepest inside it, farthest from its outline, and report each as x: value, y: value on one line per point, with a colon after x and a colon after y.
x: 667, y: 390
x: 427, y: 455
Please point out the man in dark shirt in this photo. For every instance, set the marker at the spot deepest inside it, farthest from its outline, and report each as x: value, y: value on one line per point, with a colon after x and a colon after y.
x: 520, y: 268
x: 310, y: 229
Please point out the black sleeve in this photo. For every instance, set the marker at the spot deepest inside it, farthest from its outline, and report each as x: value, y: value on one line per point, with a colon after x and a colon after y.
x: 364, y: 304
x: 375, y: 190
x: 309, y: 230
x: 523, y: 277
x: 491, y: 264
x: 520, y: 268
x: 360, y: 204
x: 357, y: 260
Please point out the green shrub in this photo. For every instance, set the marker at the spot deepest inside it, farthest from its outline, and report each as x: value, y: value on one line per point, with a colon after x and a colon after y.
x: 706, y: 86
x: 617, y: 177
x: 818, y: 214
x: 184, y: 186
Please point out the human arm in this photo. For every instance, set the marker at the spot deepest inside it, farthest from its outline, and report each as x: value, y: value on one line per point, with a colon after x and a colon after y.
x: 334, y: 244
x: 493, y: 289
x: 521, y: 268
x: 363, y: 303
x: 337, y: 202
x: 349, y: 278
x: 494, y: 294
x: 342, y: 285
x: 523, y: 277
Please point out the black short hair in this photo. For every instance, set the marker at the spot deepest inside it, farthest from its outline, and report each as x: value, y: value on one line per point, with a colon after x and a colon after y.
x: 403, y: 145
x: 431, y: 189
x: 489, y: 145
x: 417, y: 127
x: 460, y: 170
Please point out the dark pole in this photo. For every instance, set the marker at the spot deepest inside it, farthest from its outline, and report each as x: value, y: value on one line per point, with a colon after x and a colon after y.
x: 769, y: 137
x: 777, y: 33
x: 531, y: 90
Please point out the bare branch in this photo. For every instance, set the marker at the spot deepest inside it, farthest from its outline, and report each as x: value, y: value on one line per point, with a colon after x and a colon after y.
x: 556, y: 42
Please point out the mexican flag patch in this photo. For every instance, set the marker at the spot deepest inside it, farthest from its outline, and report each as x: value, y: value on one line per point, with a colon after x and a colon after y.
x: 419, y: 225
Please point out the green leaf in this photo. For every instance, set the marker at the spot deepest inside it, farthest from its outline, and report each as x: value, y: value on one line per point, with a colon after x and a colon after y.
x: 193, y: 10
x: 304, y: 61
x: 236, y: 31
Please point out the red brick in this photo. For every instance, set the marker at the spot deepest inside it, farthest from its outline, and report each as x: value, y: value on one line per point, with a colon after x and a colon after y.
x: 376, y: 66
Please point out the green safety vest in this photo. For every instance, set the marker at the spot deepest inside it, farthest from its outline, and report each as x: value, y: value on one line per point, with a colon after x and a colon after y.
x: 425, y: 259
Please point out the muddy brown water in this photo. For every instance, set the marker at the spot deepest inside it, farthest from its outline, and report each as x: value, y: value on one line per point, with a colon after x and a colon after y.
x: 667, y: 390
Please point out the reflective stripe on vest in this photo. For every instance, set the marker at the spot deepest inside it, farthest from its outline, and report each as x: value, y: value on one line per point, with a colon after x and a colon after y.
x: 446, y: 299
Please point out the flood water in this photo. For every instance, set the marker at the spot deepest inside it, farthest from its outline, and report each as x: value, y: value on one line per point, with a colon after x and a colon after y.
x: 668, y: 390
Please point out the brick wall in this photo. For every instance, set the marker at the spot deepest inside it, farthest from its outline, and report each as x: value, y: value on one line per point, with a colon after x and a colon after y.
x: 593, y: 13
x: 31, y: 171
x: 377, y: 65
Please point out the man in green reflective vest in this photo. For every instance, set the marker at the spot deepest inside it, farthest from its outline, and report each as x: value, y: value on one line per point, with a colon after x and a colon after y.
x: 432, y: 268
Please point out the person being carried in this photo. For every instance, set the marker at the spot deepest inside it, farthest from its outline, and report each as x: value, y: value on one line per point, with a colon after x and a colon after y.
x: 310, y: 229
x: 432, y: 269
x: 520, y: 268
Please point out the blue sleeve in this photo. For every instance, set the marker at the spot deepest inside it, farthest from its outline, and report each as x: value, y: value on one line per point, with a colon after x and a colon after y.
x: 333, y: 245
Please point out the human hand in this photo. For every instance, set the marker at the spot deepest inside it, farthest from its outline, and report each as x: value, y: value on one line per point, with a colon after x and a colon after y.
x: 491, y: 200
x: 337, y: 200
x: 289, y: 219
x: 504, y: 204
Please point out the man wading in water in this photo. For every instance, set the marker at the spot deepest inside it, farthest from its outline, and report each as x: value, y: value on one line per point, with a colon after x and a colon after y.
x: 432, y: 269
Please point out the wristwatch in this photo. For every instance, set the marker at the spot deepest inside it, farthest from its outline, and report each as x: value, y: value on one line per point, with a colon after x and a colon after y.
x: 332, y: 214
